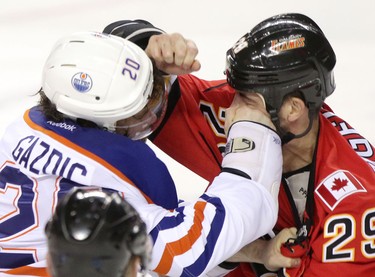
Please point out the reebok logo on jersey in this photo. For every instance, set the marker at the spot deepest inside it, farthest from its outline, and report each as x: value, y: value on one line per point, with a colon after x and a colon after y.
x: 63, y: 125
x: 337, y: 187
x: 239, y: 145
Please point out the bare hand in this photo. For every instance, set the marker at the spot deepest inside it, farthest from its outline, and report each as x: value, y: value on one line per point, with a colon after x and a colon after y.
x: 272, y: 257
x: 267, y: 252
x: 247, y: 106
x: 173, y: 53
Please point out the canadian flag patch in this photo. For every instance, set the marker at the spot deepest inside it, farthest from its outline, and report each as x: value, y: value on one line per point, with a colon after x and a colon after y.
x: 337, y: 187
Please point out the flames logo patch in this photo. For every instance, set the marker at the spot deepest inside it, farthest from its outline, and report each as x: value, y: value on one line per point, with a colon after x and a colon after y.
x: 289, y: 43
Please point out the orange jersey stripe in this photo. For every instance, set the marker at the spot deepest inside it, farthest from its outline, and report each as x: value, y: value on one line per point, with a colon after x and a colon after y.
x: 185, y: 243
x: 28, y: 270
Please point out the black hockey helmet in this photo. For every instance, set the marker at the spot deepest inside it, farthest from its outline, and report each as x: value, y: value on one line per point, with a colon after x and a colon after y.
x: 95, y: 233
x: 137, y: 31
x: 283, y: 54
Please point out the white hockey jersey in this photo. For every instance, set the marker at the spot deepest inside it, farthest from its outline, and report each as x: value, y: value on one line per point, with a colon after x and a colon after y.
x: 40, y: 160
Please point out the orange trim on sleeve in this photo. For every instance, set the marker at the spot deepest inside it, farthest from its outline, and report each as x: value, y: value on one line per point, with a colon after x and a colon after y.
x: 28, y: 270
x: 182, y: 245
x: 81, y: 150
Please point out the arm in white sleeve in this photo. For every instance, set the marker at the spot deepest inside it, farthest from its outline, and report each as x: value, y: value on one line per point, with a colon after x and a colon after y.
x: 235, y: 210
x: 255, y: 150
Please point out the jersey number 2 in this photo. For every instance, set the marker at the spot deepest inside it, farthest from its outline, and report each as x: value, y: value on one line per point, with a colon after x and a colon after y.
x: 18, y: 214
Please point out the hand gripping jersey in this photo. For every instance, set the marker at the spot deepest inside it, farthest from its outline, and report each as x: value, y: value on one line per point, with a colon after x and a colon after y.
x: 40, y: 160
x: 342, y: 234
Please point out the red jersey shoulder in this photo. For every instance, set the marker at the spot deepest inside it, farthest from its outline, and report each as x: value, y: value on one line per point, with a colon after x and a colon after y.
x: 216, y: 92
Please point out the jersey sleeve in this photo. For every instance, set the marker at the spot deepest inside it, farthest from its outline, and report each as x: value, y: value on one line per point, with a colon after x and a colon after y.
x: 194, y: 123
x: 236, y: 209
x: 196, y: 237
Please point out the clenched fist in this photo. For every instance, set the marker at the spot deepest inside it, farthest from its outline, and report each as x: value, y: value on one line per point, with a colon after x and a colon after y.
x: 173, y: 53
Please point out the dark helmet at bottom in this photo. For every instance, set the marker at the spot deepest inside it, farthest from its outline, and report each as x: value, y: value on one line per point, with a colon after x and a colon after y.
x: 283, y: 54
x: 95, y: 233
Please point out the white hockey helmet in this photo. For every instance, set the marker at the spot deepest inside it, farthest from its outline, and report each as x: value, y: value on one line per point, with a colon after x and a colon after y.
x: 98, y: 77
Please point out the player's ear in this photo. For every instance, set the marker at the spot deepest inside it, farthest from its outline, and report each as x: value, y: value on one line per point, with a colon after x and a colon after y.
x: 293, y: 108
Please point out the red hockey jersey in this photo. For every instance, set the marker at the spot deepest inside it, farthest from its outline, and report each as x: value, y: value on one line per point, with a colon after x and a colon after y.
x: 193, y: 128
x: 343, y: 229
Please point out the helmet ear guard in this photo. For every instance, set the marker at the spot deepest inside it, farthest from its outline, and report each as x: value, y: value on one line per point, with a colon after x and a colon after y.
x: 281, y: 55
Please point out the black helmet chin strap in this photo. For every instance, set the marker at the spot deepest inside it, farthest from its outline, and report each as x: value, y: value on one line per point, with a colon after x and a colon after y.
x: 287, y: 136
